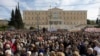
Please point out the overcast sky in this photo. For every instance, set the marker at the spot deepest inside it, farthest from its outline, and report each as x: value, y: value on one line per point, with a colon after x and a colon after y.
x: 92, y: 6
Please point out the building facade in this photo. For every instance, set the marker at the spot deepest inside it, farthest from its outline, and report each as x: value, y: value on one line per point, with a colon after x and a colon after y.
x: 3, y: 22
x: 55, y: 18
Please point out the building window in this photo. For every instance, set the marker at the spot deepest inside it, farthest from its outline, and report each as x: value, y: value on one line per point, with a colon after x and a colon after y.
x: 64, y: 23
x: 33, y: 17
x: 84, y: 13
x: 43, y: 23
x: 25, y: 18
x: 70, y: 13
x: 59, y: 22
x: 63, y: 13
x: 55, y: 22
x: 50, y: 22
x: 32, y: 13
x: 35, y: 13
x: 28, y: 18
x: 25, y: 13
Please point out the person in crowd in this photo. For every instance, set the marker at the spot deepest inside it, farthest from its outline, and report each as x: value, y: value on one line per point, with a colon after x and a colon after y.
x: 60, y: 54
x: 8, y: 53
x: 28, y: 53
x: 52, y: 53
x: 41, y: 54
x: 90, y: 52
x: 68, y: 51
x: 76, y: 53
x: 97, y: 47
x: 1, y: 52
x: 58, y: 43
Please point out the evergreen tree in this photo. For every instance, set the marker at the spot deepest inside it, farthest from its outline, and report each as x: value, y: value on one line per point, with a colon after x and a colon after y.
x: 88, y: 21
x: 18, y: 18
x: 97, y: 21
x: 12, y: 21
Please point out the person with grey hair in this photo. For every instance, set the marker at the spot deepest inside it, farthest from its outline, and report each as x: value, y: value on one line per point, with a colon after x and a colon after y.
x: 28, y: 53
x: 41, y: 54
x: 90, y: 52
x: 8, y: 53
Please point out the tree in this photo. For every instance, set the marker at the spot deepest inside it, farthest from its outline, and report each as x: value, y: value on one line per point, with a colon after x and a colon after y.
x: 18, y: 18
x: 97, y: 21
x: 12, y: 21
x: 88, y: 21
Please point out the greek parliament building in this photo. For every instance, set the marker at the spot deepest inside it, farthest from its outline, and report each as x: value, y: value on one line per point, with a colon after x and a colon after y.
x: 55, y: 18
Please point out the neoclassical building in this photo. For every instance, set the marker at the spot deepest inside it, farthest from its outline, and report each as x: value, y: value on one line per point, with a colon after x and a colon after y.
x: 55, y: 18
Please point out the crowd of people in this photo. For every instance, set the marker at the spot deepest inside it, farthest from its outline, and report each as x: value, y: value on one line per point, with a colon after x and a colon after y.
x: 57, y: 43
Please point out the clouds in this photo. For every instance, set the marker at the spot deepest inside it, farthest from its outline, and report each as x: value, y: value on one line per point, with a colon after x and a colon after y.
x: 8, y: 3
x: 91, y: 6
x: 5, y: 7
x: 44, y: 4
x: 25, y: 6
